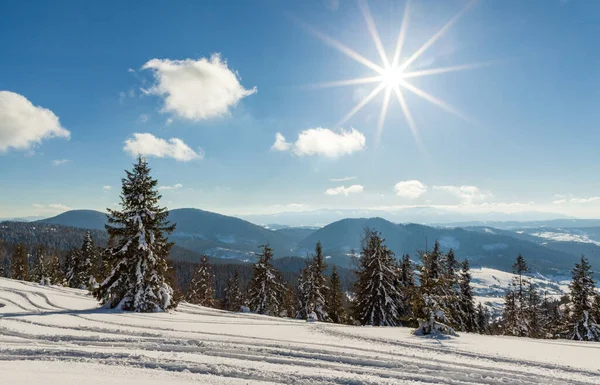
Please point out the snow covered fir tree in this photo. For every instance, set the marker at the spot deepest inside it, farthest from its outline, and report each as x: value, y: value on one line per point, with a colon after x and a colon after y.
x: 336, y: 303
x: 87, y: 263
x: 202, y: 287
x: 582, y: 321
x: 233, y: 297
x: 266, y: 287
x: 378, y: 300
x: 40, y: 272
x: 19, y: 263
x: 138, y: 261
x: 312, y: 288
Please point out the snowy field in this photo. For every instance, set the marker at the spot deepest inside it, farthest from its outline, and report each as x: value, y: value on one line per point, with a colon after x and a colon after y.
x: 54, y: 335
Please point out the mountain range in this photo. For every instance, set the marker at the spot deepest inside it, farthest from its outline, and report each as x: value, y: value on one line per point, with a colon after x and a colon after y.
x: 548, y: 250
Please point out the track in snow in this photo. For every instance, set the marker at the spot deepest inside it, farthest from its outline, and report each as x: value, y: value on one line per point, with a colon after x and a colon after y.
x: 42, y: 325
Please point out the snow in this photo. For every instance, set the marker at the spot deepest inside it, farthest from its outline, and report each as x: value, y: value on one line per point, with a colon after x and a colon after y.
x: 565, y: 237
x: 54, y: 335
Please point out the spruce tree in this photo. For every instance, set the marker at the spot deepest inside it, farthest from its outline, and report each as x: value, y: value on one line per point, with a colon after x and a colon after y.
x: 582, y: 324
x: 378, y: 301
x: 4, y: 261
x: 73, y: 269
x: 434, y: 303
x: 534, y: 313
x: 312, y: 287
x: 467, y: 305
x: 335, y: 298
x: 288, y: 303
x: 138, y: 261
x: 482, y: 320
x: 40, y: 272
x: 87, y: 263
x: 406, y: 284
x: 202, y: 287
x: 515, y: 318
x: 266, y: 287
x: 233, y: 298
x: 55, y: 271
x: 19, y: 263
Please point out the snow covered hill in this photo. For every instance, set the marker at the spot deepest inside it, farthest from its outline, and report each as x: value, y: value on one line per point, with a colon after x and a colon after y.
x: 55, y: 335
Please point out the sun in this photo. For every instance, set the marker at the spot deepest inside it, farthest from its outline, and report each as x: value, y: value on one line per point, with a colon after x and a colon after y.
x: 392, y: 76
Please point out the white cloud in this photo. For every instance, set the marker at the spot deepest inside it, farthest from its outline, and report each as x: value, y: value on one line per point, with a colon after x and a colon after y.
x: 149, y: 145
x: 58, y: 162
x: 342, y: 190
x: 466, y: 194
x: 576, y: 200
x: 22, y: 125
x: 53, y: 207
x: 344, y: 179
x: 143, y: 118
x: 322, y: 141
x: 196, y: 89
x: 174, y: 187
x: 280, y: 143
x: 410, y: 189
x: 107, y: 188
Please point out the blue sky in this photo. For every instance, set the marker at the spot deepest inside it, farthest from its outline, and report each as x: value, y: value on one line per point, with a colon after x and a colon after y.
x: 527, y: 140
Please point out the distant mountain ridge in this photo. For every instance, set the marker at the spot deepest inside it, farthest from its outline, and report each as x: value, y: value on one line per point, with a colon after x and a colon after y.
x: 227, y: 237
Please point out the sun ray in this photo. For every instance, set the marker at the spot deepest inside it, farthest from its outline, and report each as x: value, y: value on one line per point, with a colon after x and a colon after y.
x: 342, y: 48
x: 435, y: 37
x: 364, y: 7
x: 442, y: 70
x: 348, y: 82
x: 360, y: 105
x: 384, y: 108
x: 401, y: 35
x: 434, y: 100
x: 408, y: 115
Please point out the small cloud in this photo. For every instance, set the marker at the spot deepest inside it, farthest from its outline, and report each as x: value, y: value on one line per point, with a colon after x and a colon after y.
x: 342, y: 190
x: 322, y: 141
x: 59, y: 162
x: 54, y: 207
x: 280, y: 143
x: 576, y: 200
x: 410, y: 189
x: 174, y: 187
x: 149, y: 145
x: 196, y: 89
x: 344, y: 179
x: 466, y: 194
x: 295, y: 205
x: 107, y: 188
x: 143, y: 118
x: 130, y: 70
x: 169, y: 121
x: 23, y: 125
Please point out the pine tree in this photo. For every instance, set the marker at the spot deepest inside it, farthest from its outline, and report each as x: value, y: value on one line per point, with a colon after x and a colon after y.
x: 40, y: 272
x: 434, y: 301
x: 4, y: 261
x: 72, y: 269
x: 596, y: 307
x: 467, y: 305
x: 266, y: 287
x: 288, y: 302
x: 233, y: 298
x: 19, y: 263
x: 335, y: 298
x: 534, y: 313
x: 202, y: 287
x: 87, y: 263
x: 406, y: 284
x: 312, y: 287
x: 582, y: 324
x: 137, y: 278
x: 378, y: 301
x: 54, y: 271
x: 482, y: 320
x: 515, y: 318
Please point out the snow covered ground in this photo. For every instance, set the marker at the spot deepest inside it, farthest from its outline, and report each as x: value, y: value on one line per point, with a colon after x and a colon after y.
x: 54, y: 335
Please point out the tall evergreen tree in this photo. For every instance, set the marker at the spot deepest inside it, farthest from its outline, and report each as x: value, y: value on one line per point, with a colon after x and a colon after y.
x: 40, y: 272
x: 335, y: 298
x: 406, y: 284
x: 202, y: 287
x: 515, y: 319
x: 434, y: 304
x: 582, y: 324
x: 87, y: 263
x: 19, y: 263
x: 137, y: 280
x: 288, y: 302
x: 233, y: 298
x: 378, y: 301
x: 55, y: 271
x: 4, y: 261
x: 73, y: 269
x: 266, y: 287
x: 467, y: 305
x: 534, y: 313
x: 482, y: 320
x: 312, y: 287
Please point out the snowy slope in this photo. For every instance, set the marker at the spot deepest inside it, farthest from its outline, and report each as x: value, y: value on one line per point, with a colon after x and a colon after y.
x: 54, y: 335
